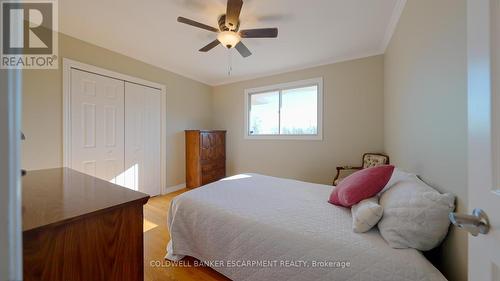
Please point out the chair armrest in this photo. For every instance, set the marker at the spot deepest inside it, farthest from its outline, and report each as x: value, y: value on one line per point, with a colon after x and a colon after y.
x: 348, y: 168
x: 343, y: 172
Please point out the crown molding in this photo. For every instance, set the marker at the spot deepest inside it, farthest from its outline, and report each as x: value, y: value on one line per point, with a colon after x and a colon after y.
x: 293, y: 69
x: 393, y: 23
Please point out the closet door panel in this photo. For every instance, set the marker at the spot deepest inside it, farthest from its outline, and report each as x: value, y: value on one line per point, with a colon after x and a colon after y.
x: 142, y: 138
x: 152, y: 153
x: 97, y: 125
x: 134, y: 145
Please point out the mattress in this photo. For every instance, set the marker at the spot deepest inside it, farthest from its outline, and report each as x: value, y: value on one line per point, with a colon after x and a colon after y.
x: 255, y: 227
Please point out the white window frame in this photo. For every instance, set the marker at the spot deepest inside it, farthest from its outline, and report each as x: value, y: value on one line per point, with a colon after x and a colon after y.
x: 279, y: 88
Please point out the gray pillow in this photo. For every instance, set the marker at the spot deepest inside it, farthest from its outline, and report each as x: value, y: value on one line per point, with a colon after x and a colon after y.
x: 415, y: 215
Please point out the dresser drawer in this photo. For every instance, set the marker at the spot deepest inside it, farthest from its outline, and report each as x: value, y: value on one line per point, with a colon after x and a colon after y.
x: 209, y: 166
x: 212, y: 176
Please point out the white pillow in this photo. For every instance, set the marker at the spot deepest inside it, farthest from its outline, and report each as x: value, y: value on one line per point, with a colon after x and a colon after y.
x: 366, y: 214
x: 397, y: 176
x: 415, y: 215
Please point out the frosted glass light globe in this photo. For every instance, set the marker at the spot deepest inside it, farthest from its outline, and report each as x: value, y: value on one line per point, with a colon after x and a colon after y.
x: 229, y: 38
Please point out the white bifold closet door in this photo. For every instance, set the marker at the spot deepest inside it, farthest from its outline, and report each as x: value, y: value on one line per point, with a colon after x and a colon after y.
x: 97, y: 125
x: 115, y: 131
x: 142, y: 138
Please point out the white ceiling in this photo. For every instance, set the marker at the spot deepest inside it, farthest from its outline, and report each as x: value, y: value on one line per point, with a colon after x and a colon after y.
x: 311, y: 32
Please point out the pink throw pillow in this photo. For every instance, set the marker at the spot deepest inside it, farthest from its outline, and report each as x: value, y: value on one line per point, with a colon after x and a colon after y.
x: 361, y: 185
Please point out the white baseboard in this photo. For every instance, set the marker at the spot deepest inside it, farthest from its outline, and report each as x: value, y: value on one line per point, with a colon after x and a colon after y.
x: 174, y: 188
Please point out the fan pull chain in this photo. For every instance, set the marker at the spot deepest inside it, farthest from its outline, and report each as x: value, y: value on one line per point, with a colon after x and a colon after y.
x: 229, y: 62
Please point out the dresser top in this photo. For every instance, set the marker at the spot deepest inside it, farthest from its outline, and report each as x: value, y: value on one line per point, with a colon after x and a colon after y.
x: 57, y: 196
x: 206, y: 131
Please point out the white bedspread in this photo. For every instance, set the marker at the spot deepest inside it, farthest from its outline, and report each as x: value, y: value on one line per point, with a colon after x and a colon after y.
x: 286, y: 226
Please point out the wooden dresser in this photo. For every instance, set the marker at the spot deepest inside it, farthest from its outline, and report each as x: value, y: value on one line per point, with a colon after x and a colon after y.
x: 77, y: 227
x: 205, y: 157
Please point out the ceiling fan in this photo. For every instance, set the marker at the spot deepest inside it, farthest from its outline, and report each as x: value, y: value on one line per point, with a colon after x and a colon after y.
x: 228, y: 33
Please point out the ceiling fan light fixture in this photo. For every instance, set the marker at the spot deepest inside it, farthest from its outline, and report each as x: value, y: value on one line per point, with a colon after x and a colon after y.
x: 229, y: 34
x: 229, y: 39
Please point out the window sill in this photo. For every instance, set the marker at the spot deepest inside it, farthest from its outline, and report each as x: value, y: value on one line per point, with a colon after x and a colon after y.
x: 284, y: 137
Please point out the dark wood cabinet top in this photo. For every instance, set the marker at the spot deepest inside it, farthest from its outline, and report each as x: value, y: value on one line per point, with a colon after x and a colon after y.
x: 207, y: 131
x: 57, y: 196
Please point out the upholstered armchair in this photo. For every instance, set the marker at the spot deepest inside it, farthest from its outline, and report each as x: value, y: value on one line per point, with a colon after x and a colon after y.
x: 369, y: 160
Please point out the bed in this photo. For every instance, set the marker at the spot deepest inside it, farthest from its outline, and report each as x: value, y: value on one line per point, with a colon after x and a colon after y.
x: 255, y: 227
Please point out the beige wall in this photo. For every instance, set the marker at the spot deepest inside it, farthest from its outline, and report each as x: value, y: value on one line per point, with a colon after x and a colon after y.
x: 353, y: 123
x: 426, y: 106
x: 188, y: 106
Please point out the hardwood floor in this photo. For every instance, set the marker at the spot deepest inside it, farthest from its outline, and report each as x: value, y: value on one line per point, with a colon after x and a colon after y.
x: 156, y: 237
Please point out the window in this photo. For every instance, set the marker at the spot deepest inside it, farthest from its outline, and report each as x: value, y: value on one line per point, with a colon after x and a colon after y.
x: 285, y: 111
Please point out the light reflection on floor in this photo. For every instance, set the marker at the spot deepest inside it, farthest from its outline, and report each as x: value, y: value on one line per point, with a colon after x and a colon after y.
x: 149, y: 225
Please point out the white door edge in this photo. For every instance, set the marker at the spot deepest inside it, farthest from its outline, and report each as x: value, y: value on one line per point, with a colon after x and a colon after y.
x: 10, y: 178
x: 483, y: 143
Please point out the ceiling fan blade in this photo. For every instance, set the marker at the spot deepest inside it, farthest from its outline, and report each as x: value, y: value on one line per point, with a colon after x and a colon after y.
x: 259, y: 33
x: 197, y: 24
x: 233, y: 13
x: 210, y: 46
x: 243, y: 50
